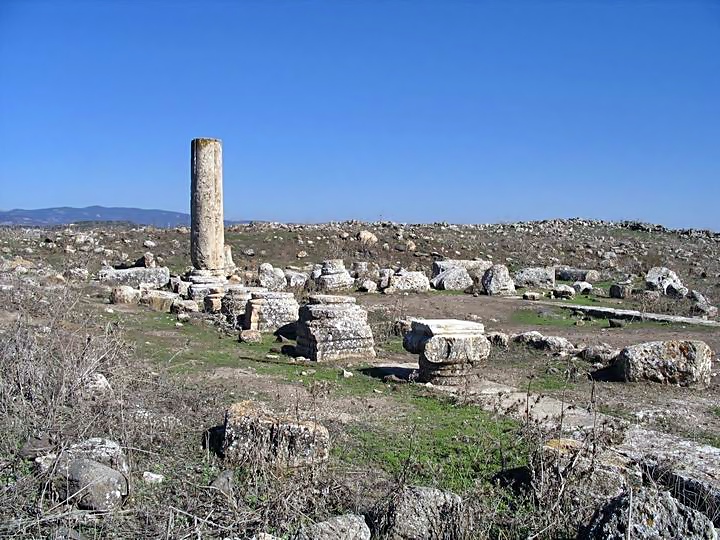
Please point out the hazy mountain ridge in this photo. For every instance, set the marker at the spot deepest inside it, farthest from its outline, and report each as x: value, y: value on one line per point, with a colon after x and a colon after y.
x: 65, y: 214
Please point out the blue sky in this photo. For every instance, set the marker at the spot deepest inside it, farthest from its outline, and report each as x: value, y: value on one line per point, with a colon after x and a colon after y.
x: 414, y: 111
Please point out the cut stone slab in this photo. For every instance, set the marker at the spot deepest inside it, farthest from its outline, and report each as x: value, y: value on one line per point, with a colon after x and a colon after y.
x: 270, y: 311
x: 332, y: 327
x: 155, y: 278
x: 631, y: 314
x: 253, y: 435
x: 423, y: 329
x: 158, y: 300
x: 567, y: 273
x: 453, y: 279
x: 405, y: 281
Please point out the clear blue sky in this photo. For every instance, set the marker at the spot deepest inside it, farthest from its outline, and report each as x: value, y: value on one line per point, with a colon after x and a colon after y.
x: 465, y: 111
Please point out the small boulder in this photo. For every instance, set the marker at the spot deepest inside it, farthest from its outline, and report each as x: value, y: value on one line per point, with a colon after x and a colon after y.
x: 685, y: 363
x: 646, y: 513
x: 563, y: 291
x: 497, y: 281
x: 666, y: 281
x: 347, y: 527
x: 498, y: 339
x: 366, y: 238
x: 582, y: 287
x: 250, y: 336
x: 273, y: 279
x: 91, y: 485
x: 415, y: 513
x: 124, y: 294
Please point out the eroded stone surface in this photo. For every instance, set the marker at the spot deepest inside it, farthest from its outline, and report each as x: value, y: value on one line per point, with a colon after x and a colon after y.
x: 685, y: 363
x: 270, y: 311
x: 253, y: 435
x: 207, y: 230
x: 333, y: 327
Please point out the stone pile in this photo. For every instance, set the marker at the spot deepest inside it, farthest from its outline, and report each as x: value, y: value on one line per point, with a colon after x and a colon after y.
x: 451, y: 351
x: 270, y: 311
x: 334, y: 328
x: 333, y: 276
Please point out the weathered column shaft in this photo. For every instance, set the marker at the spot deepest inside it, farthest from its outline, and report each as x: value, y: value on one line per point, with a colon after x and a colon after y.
x: 207, y: 235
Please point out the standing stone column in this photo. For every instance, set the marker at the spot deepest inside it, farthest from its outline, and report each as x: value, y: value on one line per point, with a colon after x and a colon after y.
x: 207, y: 234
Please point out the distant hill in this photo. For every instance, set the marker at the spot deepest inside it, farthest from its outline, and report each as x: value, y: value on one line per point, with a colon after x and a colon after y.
x: 65, y: 215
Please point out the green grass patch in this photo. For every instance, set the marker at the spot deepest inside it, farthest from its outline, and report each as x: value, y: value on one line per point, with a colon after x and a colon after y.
x: 617, y: 411
x: 448, y: 293
x: 197, y: 347
x: 436, y: 442
x: 542, y: 317
x: 393, y: 345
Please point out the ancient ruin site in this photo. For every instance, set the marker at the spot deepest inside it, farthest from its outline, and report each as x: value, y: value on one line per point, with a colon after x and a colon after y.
x: 349, y: 380
x: 359, y: 270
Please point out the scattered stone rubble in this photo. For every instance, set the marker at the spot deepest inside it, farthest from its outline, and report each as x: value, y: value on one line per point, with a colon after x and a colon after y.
x: 333, y: 328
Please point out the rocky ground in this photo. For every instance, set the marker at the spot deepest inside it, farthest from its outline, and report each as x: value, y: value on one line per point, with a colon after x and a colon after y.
x: 75, y: 367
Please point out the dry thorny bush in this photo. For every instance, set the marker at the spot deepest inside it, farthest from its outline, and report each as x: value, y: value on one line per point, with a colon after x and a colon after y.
x: 48, y: 357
